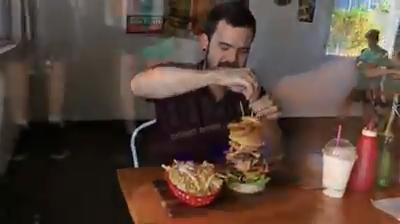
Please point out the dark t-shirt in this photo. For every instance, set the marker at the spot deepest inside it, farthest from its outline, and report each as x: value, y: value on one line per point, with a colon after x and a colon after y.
x: 191, y: 126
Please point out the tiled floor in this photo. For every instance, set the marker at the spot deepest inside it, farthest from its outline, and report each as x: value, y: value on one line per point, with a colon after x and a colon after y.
x: 81, y: 189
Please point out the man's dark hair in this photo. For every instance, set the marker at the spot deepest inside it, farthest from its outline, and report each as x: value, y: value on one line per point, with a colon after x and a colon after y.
x: 235, y: 14
x: 373, y: 34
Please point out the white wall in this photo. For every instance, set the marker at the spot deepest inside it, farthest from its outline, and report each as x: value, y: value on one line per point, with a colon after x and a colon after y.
x: 285, y: 46
x: 320, y: 92
x: 289, y: 59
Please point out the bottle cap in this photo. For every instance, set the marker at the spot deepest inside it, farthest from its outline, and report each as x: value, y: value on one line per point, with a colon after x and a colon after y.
x: 370, y: 129
x: 369, y: 133
x: 371, y: 125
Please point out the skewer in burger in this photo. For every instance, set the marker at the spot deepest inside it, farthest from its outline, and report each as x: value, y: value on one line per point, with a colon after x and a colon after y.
x: 246, y: 166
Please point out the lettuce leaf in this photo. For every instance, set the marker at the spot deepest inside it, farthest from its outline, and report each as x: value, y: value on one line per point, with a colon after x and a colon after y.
x: 259, y: 180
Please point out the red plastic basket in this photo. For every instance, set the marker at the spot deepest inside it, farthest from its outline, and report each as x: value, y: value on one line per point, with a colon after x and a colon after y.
x: 192, y: 200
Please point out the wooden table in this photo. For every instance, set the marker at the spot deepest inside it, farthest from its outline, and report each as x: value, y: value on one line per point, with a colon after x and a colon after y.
x: 277, y: 205
x: 282, y: 204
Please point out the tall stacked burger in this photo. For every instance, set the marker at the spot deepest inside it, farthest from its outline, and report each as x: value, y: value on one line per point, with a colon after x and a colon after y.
x: 246, y: 167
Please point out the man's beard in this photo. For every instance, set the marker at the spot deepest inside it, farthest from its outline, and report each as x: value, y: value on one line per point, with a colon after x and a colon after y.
x: 224, y: 64
x: 228, y: 65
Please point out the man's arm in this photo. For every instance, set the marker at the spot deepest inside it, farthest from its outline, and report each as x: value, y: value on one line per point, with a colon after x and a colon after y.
x: 167, y: 81
x: 375, y: 72
x: 371, y: 70
x: 162, y: 82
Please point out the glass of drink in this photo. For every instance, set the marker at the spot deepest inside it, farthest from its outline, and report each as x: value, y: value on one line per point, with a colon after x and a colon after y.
x: 338, y: 160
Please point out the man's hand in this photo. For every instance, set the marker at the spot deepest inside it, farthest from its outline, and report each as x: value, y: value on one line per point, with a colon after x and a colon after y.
x: 240, y: 80
x: 265, y: 107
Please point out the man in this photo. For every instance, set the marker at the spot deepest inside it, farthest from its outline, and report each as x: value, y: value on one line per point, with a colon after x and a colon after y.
x: 368, y: 64
x: 371, y: 58
x: 377, y: 80
x: 374, y: 54
x: 194, y: 103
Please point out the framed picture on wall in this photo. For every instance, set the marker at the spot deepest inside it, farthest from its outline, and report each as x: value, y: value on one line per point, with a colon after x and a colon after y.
x: 187, y: 17
x: 144, y: 24
x: 145, y: 16
x: 306, y: 11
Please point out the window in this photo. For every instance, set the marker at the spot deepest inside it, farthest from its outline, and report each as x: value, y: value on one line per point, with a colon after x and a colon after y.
x: 397, y: 39
x: 5, y: 22
x: 351, y: 19
x: 348, y: 4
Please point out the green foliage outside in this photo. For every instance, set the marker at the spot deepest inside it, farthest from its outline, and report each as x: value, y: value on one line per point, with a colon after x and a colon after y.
x: 348, y: 29
x: 384, y: 6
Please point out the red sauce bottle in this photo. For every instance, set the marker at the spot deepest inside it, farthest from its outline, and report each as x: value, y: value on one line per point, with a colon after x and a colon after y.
x: 363, y: 174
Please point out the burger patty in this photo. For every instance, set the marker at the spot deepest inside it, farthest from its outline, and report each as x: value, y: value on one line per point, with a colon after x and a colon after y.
x: 248, y: 166
x: 242, y: 148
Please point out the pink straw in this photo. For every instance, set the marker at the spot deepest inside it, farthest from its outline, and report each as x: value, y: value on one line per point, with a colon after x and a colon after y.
x: 339, y: 134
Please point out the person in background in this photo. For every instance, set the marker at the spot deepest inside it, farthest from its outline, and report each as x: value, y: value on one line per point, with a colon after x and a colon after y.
x: 390, y: 79
x: 390, y: 83
x: 372, y: 66
x: 371, y: 61
x: 49, y: 50
x: 194, y: 103
x: 374, y: 53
